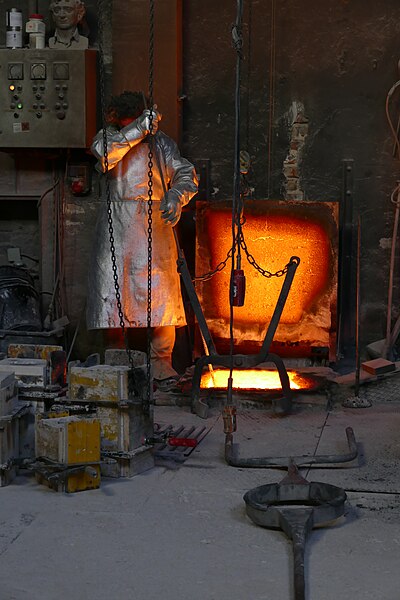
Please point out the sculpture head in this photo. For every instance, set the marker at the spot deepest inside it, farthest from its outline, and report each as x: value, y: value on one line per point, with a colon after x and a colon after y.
x: 67, y: 13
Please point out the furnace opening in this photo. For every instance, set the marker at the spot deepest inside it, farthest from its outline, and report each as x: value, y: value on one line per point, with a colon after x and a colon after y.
x: 273, y: 232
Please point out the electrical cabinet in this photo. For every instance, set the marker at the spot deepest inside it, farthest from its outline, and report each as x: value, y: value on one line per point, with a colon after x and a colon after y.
x: 48, y: 98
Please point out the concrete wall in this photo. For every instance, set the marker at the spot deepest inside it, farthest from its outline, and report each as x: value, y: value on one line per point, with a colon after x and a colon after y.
x: 314, y: 85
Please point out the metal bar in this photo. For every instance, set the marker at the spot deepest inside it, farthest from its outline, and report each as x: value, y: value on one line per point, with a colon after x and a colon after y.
x: 193, y: 298
x: 358, y: 356
x: 232, y: 456
x: 346, y: 300
x: 280, y: 305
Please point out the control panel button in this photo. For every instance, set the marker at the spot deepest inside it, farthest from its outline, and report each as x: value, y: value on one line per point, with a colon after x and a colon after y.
x: 15, y: 70
x: 38, y: 71
x: 60, y: 115
x: 60, y: 70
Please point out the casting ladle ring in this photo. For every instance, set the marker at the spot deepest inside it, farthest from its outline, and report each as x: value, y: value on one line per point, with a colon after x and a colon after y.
x: 296, y: 506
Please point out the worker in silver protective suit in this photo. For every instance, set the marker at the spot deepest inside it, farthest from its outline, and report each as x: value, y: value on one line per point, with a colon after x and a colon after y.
x: 128, y: 126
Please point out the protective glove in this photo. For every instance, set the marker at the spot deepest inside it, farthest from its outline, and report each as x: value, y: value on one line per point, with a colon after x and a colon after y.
x: 171, y: 207
x: 143, y: 122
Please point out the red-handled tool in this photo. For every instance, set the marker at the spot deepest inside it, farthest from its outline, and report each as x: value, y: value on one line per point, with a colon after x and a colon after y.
x: 172, y: 441
x: 187, y: 442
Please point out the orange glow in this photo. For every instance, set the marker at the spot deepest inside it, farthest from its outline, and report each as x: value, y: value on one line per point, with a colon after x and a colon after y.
x: 253, y: 379
x: 272, y: 240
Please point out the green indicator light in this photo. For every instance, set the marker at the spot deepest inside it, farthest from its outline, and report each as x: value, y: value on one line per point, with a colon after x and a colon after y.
x: 19, y: 105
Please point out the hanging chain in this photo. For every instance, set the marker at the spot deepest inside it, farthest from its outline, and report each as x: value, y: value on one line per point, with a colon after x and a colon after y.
x: 107, y: 183
x: 250, y: 258
x: 249, y: 56
x: 220, y: 267
x: 150, y: 203
x: 253, y: 262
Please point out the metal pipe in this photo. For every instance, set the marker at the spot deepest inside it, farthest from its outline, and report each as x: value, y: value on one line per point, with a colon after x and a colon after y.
x: 358, y: 359
x: 386, y: 346
x: 232, y: 456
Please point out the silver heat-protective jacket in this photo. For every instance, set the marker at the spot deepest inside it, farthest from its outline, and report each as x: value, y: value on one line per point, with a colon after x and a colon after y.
x: 128, y: 179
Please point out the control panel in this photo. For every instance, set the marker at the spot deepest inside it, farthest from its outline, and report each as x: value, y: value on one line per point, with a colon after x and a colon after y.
x: 48, y: 98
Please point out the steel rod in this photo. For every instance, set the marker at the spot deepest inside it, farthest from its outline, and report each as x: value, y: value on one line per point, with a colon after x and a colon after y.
x: 233, y: 459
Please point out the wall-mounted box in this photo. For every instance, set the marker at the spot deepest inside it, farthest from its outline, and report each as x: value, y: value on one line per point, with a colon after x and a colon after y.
x: 48, y: 98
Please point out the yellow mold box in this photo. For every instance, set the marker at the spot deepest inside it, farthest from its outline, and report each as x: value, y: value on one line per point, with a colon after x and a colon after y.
x: 69, y: 442
x: 101, y: 383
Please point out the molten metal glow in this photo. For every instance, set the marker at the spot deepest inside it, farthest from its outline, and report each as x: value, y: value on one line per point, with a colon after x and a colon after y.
x: 271, y: 240
x: 253, y: 379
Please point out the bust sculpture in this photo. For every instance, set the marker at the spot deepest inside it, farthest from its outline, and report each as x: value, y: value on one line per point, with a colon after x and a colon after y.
x: 67, y: 14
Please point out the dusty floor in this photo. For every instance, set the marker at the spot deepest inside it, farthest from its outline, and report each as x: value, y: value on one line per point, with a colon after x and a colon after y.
x: 181, y: 532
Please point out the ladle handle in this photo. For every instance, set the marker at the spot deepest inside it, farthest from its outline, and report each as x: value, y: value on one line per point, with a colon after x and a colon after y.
x: 299, y: 535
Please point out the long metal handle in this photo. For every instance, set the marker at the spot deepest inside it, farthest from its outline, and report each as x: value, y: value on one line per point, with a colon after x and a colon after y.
x: 280, y: 305
x: 299, y: 535
x: 193, y: 298
x: 297, y: 523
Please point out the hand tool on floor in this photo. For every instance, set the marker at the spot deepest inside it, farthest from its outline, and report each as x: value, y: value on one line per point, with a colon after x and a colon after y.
x: 295, y: 506
x: 172, y: 439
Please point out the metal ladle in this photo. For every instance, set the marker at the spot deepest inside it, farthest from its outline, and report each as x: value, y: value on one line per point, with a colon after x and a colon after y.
x: 296, y: 506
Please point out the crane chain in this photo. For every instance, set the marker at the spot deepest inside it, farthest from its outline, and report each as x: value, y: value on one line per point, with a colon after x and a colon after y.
x: 108, y: 191
x: 251, y: 260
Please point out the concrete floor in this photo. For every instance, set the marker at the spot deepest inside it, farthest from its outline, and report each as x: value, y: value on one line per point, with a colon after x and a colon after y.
x: 179, y: 532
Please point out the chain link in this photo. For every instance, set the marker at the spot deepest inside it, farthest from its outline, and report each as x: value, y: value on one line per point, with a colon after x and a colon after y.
x: 107, y: 182
x: 220, y: 267
x: 146, y: 406
x: 250, y: 258
x: 253, y: 262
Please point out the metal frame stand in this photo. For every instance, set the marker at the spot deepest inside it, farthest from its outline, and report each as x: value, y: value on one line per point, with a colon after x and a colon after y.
x: 284, y: 404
